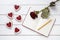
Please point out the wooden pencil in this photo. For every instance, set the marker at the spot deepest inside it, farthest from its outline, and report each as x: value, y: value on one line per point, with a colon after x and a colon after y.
x: 44, y: 24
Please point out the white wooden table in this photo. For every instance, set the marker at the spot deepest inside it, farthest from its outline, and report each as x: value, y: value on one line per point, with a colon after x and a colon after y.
x: 26, y: 34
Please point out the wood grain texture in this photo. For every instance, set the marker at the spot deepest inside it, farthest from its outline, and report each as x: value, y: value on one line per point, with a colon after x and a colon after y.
x: 26, y: 34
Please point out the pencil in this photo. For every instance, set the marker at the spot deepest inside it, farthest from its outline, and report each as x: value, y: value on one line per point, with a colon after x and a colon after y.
x: 44, y: 24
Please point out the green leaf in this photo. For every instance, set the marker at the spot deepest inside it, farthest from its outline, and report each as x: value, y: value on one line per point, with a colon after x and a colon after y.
x: 58, y: 0
x: 52, y: 4
x: 37, y: 12
x: 45, y: 13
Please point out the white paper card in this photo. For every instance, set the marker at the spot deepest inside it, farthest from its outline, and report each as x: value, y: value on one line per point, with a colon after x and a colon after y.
x: 33, y: 24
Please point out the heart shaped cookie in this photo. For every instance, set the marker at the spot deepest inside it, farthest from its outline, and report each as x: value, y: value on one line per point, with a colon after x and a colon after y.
x: 9, y: 24
x: 17, y: 7
x: 18, y: 18
x: 17, y: 30
x: 10, y: 15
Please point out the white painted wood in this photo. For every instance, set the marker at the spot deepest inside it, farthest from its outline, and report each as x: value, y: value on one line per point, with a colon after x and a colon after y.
x: 29, y: 38
x: 24, y: 31
x: 25, y: 1
x: 26, y: 34
x: 4, y: 19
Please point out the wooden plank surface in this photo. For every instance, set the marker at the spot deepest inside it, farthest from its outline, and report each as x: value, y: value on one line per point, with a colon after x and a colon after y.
x: 26, y: 34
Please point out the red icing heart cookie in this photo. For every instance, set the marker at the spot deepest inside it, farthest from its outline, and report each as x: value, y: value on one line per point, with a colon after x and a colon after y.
x: 17, y: 7
x: 10, y: 15
x: 16, y: 30
x: 18, y: 18
x: 9, y: 24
